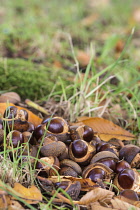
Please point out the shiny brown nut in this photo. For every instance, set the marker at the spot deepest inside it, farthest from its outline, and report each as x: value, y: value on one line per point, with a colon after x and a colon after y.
x: 107, y: 147
x: 56, y: 125
x: 31, y: 127
x: 81, y: 152
x: 130, y: 194
x: 54, y: 148
x: 128, y: 179
x: 131, y: 154
x: 14, y: 138
x: 48, y: 165
x: 39, y: 132
x: 106, y: 157
x: 95, y: 141
x: 10, y: 112
x: 69, y: 168
x: 97, y: 172
x: 121, y: 165
x: 81, y: 132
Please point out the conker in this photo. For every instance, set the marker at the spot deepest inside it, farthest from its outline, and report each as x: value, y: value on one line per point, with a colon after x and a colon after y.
x: 88, y: 133
x: 96, y: 174
x: 15, y: 138
x: 111, y: 163
x: 10, y: 112
x: 79, y: 148
x: 130, y: 194
x: 121, y: 165
x: 126, y: 178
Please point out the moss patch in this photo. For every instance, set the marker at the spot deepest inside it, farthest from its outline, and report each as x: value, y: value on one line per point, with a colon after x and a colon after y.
x: 30, y: 80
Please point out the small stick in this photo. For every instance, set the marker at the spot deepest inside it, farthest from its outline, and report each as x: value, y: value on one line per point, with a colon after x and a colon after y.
x: 36, y: 106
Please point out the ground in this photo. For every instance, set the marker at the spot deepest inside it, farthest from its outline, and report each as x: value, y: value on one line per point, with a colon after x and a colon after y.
x: 74, y: 58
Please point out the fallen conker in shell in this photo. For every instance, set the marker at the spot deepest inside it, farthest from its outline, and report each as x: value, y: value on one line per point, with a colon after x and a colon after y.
x: 121, y: 165
x: 88, y: 133
x: 96, y: 174
x: 10, y: 112
x: 126, y: 178
x: 131, y: 154
x: 81, y: 152
x: 15, y: 138
x: 79, y: 148
x: 81, y: 132
x: 55, y: 125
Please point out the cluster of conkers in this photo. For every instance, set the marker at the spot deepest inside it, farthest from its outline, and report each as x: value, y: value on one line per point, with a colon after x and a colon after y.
x: 73, y: 151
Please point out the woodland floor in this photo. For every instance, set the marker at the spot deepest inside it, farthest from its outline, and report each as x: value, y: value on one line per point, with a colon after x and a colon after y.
x: 89, y: 51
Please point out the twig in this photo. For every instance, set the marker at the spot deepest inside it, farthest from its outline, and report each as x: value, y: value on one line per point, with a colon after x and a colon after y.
x: 36, y: 106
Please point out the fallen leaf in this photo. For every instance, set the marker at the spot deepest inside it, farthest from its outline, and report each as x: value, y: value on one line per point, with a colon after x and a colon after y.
x: 86, y: 184
x: 106, y: 129
x: 83, y: 58
x: 31, y: 117
x: 31, y: 195
x: 99, y: 207
x: 15, y: 205
x: 89, y: 20
x: 118, y: 204
x: 4, y: 201
x: 11, y: 97
x: 128, y: 200
x: 97, y: 194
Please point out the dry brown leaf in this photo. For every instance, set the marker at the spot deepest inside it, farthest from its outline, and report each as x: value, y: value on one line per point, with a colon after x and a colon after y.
x: 10, y: 97
x: 86, y: 184
x: 83, y: 58
x: 106, y: 129
x: 118, y: 204
x: 31, y: 195
x: 99, y: 207
x: 89, y: 20
x: 32, y: 117
x: 97, y: 194
x: 5, y: 201
x: 127, y: 200
x: 15, y: 205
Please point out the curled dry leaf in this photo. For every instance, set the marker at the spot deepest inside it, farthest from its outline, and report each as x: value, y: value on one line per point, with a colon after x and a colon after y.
x: 86, y: 184
x: 128, y: 200
x: 106, y: 129
x: 118, y: 204
x: 31, y: 195
x: 97, y: 194
x: 10, y: 97
x: 32, y: 117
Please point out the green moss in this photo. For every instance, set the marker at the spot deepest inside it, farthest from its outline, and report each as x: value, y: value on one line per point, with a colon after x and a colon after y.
x: 30, y: 80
